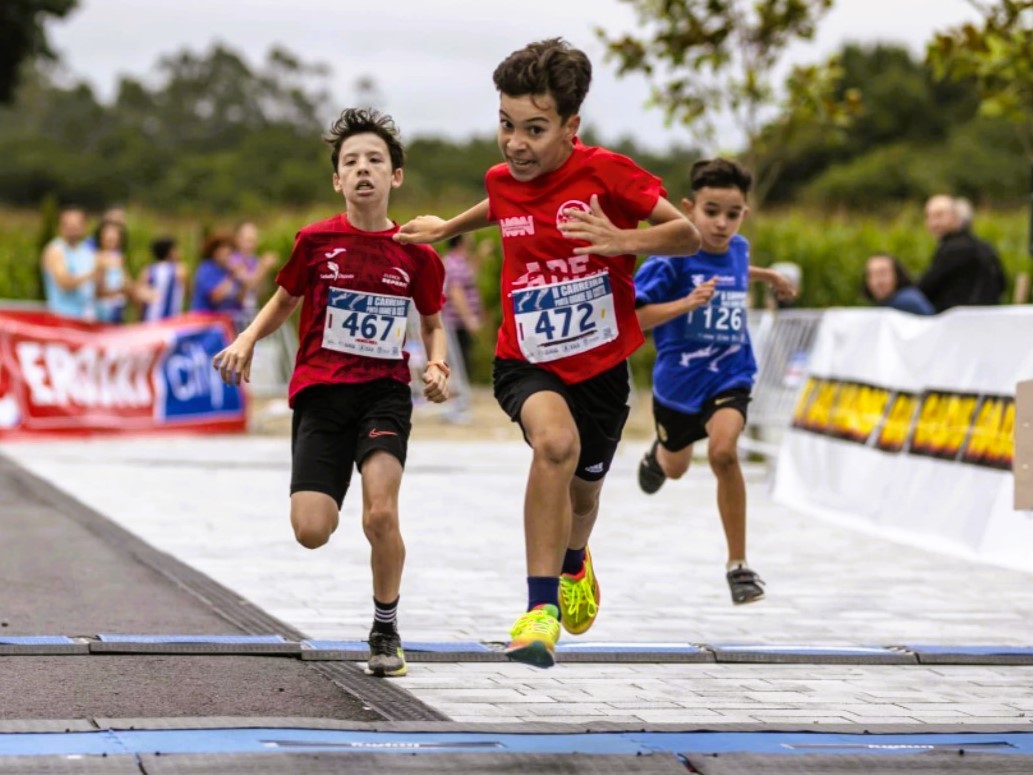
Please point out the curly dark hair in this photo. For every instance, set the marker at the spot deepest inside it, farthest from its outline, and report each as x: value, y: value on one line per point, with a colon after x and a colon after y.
x: 551, y: 67
x: 358, y: 121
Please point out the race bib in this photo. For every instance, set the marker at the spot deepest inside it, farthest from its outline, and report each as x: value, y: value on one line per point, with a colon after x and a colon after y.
x: 722, y: 321
x: 566, y: 318
x: 368, y: 324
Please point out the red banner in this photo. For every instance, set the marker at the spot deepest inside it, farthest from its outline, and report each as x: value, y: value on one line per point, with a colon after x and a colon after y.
x: 59, y: 375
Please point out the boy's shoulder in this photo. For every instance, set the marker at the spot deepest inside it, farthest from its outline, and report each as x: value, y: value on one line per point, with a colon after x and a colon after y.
x: 333, y: 224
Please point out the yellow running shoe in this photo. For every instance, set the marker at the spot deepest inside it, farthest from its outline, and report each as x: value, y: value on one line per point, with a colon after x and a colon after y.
x: 579, y: 598
x: 534, y: 637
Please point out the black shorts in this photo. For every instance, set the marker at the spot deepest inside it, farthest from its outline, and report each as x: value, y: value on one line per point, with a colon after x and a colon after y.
x: 677, y: 430
x: 336, y: 427
x: 599, y: 406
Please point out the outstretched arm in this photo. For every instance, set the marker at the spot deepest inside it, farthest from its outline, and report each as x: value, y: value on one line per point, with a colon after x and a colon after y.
x: 234, y: 363
x: 670, y: 233
x: 652, y: 315
x: 424, y: 229
x: 780, y: 285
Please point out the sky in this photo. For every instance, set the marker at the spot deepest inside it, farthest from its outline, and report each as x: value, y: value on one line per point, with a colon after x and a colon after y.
x: 432, y: 61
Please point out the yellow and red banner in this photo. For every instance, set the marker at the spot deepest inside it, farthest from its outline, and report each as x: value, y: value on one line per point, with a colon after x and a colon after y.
x: 905, y: 425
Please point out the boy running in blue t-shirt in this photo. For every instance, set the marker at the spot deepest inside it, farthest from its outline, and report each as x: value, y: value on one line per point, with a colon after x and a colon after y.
x: 704, y: 371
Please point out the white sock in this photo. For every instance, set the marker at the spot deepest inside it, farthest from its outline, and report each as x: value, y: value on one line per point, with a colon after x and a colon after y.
x: 735, y: 565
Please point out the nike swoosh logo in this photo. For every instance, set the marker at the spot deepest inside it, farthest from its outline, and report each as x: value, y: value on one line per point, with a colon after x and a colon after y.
x: 724, y: 400
x: 375, y: 433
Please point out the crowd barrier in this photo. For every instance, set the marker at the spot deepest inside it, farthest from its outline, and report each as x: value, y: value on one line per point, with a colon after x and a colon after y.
x: 905, y: 426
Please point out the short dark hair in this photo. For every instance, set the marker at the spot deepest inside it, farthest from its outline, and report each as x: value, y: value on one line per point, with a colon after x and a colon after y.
x: 720, y: 173
x: 551, y: 67
x: 900, y: 275
x: 161, y: 248
x: 359, y: 121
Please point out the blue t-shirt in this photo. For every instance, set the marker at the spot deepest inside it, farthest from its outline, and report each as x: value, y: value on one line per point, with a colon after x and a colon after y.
x: 208, y: 276
x: 707, y: 351
x: 911, y: 300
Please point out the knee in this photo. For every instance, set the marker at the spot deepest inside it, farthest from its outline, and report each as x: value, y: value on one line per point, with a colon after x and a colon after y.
x: 557, y: 447
x: 676, y: 469
x: 312, y: 533
x: 724, y: 458
x: 379, y: 522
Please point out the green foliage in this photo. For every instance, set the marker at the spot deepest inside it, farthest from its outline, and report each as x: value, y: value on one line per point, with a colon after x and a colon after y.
x: 831, y: 250
x: 998, y: 57
x: 716, y: 57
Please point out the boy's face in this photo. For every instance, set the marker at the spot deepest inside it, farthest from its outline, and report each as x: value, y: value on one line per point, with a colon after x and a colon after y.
x: 534, y: 140
x: 364, y: 173
x: 718, y: 214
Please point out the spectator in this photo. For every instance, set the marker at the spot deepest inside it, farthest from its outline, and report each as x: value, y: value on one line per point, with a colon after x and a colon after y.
x: 993, y: 282
x: 463, y: 308
x: 162, y: 284
x: 69, y: 266
x: 109, y: 240
x: 252, y: 269
x: 218, y: 285
x: 962, y: 270
x: 888, y: 284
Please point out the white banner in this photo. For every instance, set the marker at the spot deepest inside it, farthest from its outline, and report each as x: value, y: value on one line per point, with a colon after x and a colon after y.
x: 905, y: 427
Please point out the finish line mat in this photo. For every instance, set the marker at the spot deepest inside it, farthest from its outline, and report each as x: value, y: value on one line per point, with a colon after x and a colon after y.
x: 570, y: 650
x: 781, y: 745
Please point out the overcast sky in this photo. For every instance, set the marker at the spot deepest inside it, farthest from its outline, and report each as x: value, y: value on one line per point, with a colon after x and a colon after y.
x: 432, y: 59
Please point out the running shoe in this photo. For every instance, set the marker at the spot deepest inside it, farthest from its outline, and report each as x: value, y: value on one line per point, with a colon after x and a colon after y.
x: 534, y: 637
x: 386, y: 657
x: 579, y: 598
x: 651, y: 476
x: 746, y: 586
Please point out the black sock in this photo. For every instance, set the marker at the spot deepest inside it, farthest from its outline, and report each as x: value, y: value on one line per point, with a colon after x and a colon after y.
x: 543, y: 590
x: 385, y: 616
x: 573, y: 560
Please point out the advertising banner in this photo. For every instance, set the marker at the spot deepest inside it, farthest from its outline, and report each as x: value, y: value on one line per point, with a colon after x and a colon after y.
x: 63, y: 376
x: 906, y: 425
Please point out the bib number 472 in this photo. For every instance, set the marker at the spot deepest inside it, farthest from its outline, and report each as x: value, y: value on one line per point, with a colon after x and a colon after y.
x: 562, y: 322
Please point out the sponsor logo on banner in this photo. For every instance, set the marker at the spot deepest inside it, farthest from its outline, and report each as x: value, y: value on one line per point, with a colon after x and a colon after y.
x: 962, y: 427
x: 63, y: 376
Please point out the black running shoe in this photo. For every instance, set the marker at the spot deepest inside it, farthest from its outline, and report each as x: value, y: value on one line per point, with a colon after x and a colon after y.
x: 386, y: 657
x: 651, y: 476
x: 746, y: 586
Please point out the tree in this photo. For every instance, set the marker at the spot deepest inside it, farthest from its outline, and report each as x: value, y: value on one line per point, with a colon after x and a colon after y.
x: 715, y: 56
x: 22, y: 37
x: 998, y: 55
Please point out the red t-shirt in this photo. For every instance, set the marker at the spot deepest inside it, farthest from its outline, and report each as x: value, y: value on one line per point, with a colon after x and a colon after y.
x: 356, y: 287
x: 573, y: 315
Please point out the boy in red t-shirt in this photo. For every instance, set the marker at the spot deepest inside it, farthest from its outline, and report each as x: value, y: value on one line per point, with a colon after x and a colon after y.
x: 569, y: 218
x: 349, y: 390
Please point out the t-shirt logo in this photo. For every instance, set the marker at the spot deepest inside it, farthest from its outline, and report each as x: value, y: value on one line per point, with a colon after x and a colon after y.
x: 517, y: 226
x: 401, y: 280
x: 570, y: 204
x: 334, y: 271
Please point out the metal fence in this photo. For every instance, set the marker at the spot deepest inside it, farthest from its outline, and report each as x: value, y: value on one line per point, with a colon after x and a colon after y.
x: 782, y: 342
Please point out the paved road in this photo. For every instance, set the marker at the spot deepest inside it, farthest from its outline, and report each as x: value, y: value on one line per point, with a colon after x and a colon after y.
x: 219, y: 504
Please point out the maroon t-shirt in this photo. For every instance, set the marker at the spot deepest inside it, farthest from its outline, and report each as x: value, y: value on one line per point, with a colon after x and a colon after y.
x: 356, y: 288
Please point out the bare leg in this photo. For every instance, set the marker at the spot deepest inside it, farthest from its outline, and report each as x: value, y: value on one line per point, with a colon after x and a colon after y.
x: 553, y: 436
x: 584, y: 498
x: 724, y: 429
x: 314, y: 517
x: 381, y: 480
